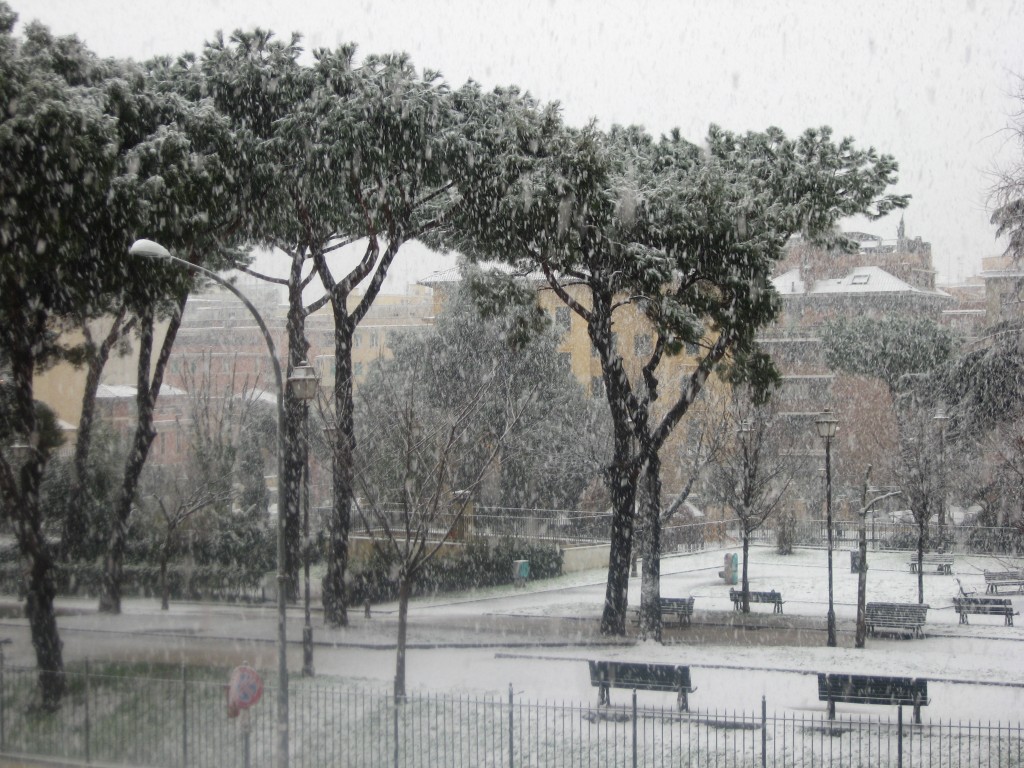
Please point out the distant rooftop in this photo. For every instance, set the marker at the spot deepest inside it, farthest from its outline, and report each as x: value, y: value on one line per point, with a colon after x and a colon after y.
x: 860, y: 280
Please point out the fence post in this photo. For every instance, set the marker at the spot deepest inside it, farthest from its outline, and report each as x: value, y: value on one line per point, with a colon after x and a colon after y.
x: 88, y: 756
x: 511, y: 730
x: 899, y: 736
x: 3, y: 741
x: 396, y: 702
x: 764, y: 732
x: 184, y: 716
x: 634, y: 728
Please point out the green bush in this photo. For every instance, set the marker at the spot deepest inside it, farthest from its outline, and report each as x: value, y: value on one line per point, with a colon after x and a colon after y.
x: 476, y: 565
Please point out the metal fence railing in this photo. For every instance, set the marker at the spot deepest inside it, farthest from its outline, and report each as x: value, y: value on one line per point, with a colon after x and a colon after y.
x: 182, y: 722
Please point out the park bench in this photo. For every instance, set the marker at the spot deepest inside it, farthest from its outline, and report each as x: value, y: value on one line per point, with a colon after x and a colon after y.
x: 872, y: 689
x: 943, y: 563
x: 898, y: 616
x: 641, y: 677
x: 679, y: 607
x: 996, y: 579
x: 991, y: 606
x: 773, y: 597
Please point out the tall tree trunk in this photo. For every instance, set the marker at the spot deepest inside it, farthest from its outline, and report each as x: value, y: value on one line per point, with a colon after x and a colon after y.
x: 622, y: 489
x: 294, y: 460
x: 335, y: 598
x: 621, y: 475
x: 165, y: 590
x: 921, y: 534
x: 76, y: 523
x: 148, y: 390
x: 650, y: 585
x: 20, y: 494
x: 404, y: 590
x: 862, y: 581
x: 745, y: 579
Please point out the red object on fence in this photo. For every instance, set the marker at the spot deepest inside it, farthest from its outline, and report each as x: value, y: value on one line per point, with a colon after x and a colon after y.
x: 244, y: 689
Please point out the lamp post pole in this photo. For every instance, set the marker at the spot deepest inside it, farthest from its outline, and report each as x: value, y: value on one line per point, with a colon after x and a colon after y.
x: 153, y: 250
x: 303, y: 382
x: 826, y: 424
x: 942, y: 418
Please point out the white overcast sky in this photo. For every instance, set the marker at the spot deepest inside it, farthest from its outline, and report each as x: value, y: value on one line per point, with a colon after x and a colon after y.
x: 932, y: 82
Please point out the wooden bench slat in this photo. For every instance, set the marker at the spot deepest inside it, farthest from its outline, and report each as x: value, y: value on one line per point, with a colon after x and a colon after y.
x: 680, y: 607
x: 646, y: 677
x: 942, y: 561
x: 996, y: 579
x: 990, y: 606
x: 900, y: 616
x: 773, y: 597
x: 873, y: 689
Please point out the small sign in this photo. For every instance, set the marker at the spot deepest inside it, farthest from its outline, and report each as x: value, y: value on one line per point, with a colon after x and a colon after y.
x: 244, y: 689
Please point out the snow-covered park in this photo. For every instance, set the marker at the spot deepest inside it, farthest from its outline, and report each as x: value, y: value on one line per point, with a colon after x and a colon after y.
x: 538, y: 637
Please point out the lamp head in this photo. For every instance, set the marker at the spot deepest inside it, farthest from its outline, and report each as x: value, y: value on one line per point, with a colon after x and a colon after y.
x: 149, y: 249
x: 827, y: 424
x: 303, y: 381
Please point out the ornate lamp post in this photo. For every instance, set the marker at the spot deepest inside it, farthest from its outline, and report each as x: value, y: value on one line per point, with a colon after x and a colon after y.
x: 827, y: 424
x: 153, y: 250
x: 303, y: 383
x: 941, y: 418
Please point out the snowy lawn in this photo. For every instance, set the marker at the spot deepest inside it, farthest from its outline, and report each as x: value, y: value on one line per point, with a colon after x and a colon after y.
x: 975, y: 672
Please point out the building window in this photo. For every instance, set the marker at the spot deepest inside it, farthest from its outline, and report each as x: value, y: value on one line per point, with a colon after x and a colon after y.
x: 642, y: 346
x: 861, y: 279
x: 596, y: 386
x: 357, y: 368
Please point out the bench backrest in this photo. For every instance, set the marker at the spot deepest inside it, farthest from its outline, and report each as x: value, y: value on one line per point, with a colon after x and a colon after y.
x: 967, y: 603
x: 757, y: 597
x: 647, y: 677
x: 676, y: 602
x: 1003, y: 575
x: 900, y: 612
x: 872, y: 689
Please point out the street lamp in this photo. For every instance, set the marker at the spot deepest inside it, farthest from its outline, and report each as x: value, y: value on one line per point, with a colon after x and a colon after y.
x: 152, y: 250
x: 941, y: 418
x: 303, y: 383
x: 744, y: 431
x: 827, y: 424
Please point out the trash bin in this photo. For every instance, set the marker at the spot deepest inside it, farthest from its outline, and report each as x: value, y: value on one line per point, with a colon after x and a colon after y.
x: 520, y: 572
x: 854, y: 560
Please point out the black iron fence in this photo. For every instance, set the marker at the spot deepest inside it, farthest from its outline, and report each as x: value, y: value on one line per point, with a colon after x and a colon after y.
x: 183, y: 723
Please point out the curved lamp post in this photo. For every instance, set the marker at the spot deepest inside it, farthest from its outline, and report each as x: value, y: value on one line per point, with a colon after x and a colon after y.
x: 153, y: 250
x: 827, y: 424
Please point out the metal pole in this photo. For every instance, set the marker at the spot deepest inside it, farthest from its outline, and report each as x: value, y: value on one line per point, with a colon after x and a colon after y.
x: 88, y: 756
x: 184, y: 716
x: 511, y: 730
x: 153, y: 250
x: 307, y: 628
x: 634, y: 728
x: 3, y: 693
x: 395, y: 703
x: 764, y: 732
x: 899, y: 736
x: 828, y: 523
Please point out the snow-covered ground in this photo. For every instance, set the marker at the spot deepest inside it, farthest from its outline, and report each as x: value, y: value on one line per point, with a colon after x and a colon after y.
x: 537, y: 638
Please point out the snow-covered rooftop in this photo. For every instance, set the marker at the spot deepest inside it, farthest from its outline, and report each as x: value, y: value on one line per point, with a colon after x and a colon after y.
x: 860, y: 280
x: 119, y: 391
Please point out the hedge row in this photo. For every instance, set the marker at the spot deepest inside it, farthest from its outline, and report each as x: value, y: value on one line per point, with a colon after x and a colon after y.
x: 186, y: 583
x: 476, y: 565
